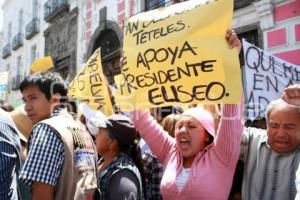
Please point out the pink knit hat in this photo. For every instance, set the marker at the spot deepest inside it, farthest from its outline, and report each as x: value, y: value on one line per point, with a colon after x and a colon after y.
x: 204, y: 117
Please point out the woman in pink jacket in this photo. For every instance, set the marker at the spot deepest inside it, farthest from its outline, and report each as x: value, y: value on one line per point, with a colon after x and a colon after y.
x: 198, y: 163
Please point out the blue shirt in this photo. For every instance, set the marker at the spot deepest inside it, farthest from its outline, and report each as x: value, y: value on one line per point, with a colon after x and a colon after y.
x: 45, y: 156
x: 9, y: 157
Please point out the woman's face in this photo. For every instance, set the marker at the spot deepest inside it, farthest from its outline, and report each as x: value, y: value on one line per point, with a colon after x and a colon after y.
x: 102, y: 142
x: 190, y: 136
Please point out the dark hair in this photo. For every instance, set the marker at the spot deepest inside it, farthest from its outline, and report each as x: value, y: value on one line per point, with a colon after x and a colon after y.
x: 121, y: 128
x: 48, y: 83
x: 72, y: 106
x: 160, y: 113
x: 133, y: 151
x: 168, y: 110
x: 210, y: 139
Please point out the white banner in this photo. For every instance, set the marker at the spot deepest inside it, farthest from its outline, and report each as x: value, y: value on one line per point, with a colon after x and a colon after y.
x: 3, y: 85
x: 265, y: 77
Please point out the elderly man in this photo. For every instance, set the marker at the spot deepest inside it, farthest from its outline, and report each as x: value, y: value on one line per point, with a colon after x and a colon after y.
x: 271, y: 156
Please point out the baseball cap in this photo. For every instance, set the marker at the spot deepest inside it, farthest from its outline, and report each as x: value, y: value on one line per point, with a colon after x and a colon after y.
x: 98, y: 118
x: 119, y: 126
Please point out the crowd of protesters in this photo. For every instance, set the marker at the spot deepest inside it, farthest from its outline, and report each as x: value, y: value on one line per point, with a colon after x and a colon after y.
x: 47, y: 152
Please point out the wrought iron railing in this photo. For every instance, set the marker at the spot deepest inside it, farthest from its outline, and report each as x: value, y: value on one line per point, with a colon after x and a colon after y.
x: 32, y: 28
x: 17, y: 41
x: 6, y: 51
x: 53, y: 8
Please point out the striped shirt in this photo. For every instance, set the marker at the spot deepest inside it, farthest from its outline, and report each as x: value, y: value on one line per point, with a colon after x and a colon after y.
x: 9, y: 157
x: 45, y: 156
x: 267, y: 174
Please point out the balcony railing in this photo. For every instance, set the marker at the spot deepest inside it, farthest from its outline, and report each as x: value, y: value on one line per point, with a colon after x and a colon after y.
x: 241, y: 3
x: 32, y: 28
x: 153, y: 4
x: 53, y: 7
x: 17, y: 41
x: 6, y: 51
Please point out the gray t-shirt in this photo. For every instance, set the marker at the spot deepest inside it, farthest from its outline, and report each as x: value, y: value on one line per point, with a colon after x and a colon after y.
x: 124, y: 185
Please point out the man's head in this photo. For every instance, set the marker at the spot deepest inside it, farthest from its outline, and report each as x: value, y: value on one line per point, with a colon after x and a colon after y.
x: 283, y: 126
x: 41, y: 92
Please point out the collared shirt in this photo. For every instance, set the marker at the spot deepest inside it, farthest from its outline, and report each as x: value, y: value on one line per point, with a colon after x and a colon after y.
x: 267, y: 174
x: 154, y: 169
x: 9, y: 157
x: 45, y: 156
x: 297, y: 182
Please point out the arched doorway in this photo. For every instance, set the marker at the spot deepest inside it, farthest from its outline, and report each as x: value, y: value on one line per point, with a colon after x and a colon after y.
x: 108, y: 36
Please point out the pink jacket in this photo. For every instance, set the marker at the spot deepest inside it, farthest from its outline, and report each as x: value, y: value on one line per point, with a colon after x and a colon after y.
x: 212, y: 170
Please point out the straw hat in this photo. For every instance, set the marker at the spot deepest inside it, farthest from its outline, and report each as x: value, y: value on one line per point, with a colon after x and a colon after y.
x: 22, y: 122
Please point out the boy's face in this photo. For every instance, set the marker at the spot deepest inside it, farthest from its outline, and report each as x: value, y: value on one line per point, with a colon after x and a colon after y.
x: 37, y: 106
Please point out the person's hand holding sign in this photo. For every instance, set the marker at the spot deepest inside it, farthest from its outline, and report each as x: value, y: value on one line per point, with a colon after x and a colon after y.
x: 233, y: 40
x: 291, y: 95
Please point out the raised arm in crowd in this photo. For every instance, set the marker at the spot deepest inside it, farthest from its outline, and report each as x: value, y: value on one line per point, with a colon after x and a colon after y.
x: 199, y: 163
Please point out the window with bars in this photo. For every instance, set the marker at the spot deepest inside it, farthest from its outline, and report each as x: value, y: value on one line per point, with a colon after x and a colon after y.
x: 20, y: 21
x: 153, y: 4
x: 9, y: 32
x: 19, y: 69
x: 35, y: 8
x: 33, y: 53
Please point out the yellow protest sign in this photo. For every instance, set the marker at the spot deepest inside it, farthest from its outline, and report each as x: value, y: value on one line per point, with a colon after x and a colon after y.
x: 41, y: 64
x: 179, y: 54
x: 90, y: 85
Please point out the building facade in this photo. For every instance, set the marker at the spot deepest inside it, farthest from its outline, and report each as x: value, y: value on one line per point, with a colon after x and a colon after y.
x: 71, y: 30
x: 273, y: 25
x: 22, y: 40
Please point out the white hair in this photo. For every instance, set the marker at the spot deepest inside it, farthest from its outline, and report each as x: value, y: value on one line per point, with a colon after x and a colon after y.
x: 277, y: 102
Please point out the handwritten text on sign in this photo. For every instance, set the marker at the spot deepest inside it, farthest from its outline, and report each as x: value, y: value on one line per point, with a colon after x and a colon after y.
x: 178, y: 55
x: 90, y: 85
x: 266, y: 77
